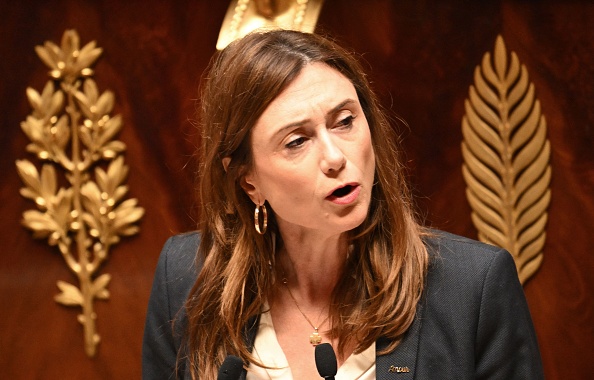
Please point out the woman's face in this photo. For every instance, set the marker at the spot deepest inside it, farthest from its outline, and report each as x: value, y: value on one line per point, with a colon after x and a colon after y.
x: 313, y: 158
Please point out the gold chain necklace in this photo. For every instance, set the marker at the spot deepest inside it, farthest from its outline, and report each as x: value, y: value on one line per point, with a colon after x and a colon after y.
x: 315, y: 338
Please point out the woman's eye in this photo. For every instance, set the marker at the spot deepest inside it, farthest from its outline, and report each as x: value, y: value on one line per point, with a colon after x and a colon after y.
x: 346, y: 122
x: 296, y: 143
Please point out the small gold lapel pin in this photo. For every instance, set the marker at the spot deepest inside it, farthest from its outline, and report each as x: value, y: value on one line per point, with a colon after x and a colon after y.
x: 394, y: 369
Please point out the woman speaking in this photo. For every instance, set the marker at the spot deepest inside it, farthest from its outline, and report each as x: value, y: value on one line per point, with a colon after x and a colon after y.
x: 307, y: 236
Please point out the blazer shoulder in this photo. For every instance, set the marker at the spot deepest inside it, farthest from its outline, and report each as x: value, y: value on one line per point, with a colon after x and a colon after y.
x: 165, y: 323
x: 473, y: 306
x: 453, y: 252
x: 446, y: 242
x: 178, y: 266
x: 179, y: 251
x: 460, y: 265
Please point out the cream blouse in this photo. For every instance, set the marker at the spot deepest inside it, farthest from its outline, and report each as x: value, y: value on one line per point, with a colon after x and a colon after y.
x: 269, y: 352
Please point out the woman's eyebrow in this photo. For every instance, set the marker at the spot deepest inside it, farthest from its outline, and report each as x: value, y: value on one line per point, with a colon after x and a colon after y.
x: 339, y: 106
x: 299, y: 123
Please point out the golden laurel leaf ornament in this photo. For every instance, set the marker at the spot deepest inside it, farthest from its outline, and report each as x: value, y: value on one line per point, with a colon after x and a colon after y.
x: 506, y: 159
x: 72, y: 133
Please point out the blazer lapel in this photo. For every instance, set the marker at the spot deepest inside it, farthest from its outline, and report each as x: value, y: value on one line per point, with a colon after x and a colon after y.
x: 400, y: 363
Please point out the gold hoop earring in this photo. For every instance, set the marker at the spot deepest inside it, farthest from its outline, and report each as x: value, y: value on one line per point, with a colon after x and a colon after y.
x: 262, y: 230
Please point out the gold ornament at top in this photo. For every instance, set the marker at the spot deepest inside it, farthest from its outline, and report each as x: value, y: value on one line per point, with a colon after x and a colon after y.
x: 506, y: 159
x: 245, y: 16
x: 72, y: 133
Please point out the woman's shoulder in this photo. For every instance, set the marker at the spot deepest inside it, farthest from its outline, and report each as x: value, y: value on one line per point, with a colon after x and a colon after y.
x: 450, y: 251
x: 473, y: 298
x: 459, y: 262
x: 174, y: 277
x: 183, y: 246
x: 177, y: 265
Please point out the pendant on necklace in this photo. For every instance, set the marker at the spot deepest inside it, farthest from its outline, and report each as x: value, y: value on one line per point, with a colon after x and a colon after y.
x: 315, y: 338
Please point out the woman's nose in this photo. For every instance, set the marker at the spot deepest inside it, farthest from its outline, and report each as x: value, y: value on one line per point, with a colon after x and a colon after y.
x: 333, y: 159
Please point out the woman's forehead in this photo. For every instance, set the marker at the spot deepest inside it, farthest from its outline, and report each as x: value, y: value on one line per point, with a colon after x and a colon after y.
x: 317, y: 85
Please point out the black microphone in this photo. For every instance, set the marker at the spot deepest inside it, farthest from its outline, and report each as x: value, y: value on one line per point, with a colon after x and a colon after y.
x: 230, y: 369
x: 326, y: 361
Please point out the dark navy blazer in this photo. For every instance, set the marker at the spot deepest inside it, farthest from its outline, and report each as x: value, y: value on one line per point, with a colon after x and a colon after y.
x: 473, y: 321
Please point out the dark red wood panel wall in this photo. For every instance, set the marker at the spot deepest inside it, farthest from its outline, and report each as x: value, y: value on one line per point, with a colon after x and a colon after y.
x: 421, y: 56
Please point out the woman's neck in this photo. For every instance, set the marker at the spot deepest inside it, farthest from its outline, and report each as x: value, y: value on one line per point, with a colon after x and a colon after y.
x: 312, y: 265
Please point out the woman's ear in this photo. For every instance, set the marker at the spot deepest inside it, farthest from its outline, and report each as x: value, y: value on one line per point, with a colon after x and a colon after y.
x: 249, y: 184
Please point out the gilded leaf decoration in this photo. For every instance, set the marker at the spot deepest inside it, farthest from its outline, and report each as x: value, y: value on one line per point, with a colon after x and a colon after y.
x: 72, y: 132
x: 506, y: 159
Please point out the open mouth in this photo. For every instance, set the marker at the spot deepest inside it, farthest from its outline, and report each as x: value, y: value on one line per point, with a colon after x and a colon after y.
x: 341, y: 192
x: 345, y: 195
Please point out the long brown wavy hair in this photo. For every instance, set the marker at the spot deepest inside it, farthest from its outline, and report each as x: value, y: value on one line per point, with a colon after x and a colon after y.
x: 387, y: 268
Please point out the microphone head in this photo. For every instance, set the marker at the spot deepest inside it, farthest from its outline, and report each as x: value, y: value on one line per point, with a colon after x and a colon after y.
x: 230, y: 369
x: 326, y: 360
